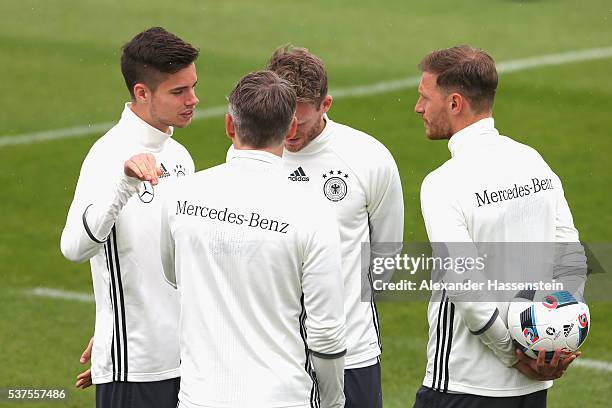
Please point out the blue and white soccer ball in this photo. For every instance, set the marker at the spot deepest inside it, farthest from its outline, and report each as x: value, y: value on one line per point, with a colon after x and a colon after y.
x: 548, y: 321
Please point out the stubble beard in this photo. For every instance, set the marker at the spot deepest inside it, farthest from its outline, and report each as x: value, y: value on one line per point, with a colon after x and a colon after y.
x: 439, y: 130
x: 309, y: 137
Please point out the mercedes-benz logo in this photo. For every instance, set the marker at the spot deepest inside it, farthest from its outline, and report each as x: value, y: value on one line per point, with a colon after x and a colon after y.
x: 146, y: 192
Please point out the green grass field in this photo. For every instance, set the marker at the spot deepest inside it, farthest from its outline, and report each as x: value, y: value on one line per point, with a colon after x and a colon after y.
x: 60, y: 69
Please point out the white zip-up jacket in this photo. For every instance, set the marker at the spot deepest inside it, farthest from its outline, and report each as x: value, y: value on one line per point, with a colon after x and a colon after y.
x: 356, y: 175
x: 113, y: 222
x: 492, y: 190
x: 256, y: 261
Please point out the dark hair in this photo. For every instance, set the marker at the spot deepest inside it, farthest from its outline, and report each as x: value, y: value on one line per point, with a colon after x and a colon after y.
x: 304, y: 70
x: 262, y: 106
x: 152, y: 54
x: 466, y: 70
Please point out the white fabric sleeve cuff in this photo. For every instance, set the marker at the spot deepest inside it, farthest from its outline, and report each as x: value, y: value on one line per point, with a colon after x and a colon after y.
x: 497, y: 338
x: 330, y: 377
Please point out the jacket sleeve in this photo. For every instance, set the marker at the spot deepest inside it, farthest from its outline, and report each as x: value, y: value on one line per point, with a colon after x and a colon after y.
x: 570, y: 263
x: 323, y: 287
x: 98, y: 200
x: 323, y: 291
x: 385, y: 206
x: 330, y: 377
x: 447, y: 229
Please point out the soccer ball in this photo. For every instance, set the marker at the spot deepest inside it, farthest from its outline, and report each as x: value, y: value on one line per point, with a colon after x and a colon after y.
x: 546, y: 321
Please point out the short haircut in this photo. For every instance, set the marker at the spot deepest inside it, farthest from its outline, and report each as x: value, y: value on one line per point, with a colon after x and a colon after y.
x: 151, y: 55
x: 262, y: 106
x: 304, y: 70
x: 466, y: 70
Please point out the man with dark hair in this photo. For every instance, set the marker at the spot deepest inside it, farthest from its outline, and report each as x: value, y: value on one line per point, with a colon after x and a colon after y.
x: 257, y: 262
x: 472, y: 361
x: 113, y: 222
x: 357, y: 176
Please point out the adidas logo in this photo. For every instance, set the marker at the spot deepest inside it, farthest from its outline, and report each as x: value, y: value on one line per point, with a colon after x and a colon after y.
x: 567, y: 328
x: 298, y: 175
x: 165, y: 173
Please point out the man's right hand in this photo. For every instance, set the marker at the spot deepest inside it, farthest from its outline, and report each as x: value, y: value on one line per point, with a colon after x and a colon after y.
x: 542, y: 371
x: 84, y: 379
x: 143, y: 167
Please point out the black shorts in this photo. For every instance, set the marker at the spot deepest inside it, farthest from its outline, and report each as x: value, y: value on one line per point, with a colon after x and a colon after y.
x: 155, y: 394
x: 428, y: 398
x: 362, y: 387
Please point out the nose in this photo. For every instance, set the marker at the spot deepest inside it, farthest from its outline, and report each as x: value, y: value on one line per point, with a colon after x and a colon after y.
x: 418, y: 108
x: 193, y: 99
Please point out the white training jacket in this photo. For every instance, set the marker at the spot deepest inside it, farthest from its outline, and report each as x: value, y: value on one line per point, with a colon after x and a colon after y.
x: 356, y: 175
x: 256, y: 261
x: 492, y: 190
x: 117, y: 230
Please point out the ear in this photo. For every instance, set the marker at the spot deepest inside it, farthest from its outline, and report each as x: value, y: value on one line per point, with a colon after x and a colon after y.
x: 457, y: 103
x: 292, y: 129
x: 327, y: 103
x: 141, y: 93
x: 230, y: 129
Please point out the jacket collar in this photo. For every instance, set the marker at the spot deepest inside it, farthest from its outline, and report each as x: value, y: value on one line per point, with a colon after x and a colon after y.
x: 148, y: 136
x: 257, y: 155
x: 472, y: 135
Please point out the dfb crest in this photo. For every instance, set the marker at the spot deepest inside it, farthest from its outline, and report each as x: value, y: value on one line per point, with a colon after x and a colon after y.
x: 335, y: 187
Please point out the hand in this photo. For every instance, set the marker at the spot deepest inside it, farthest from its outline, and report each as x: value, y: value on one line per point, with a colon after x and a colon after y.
x: 143, y: 167
x: 84, y: 379
x: 542, y: 371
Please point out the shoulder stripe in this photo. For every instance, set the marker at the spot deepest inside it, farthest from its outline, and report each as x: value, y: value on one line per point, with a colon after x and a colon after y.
x: 314, y: 390
x: 121, y: 300
x: 444, y: 340
x: 116, y: 340
x: 374, y: 309
x: 435, y: 373
x: 450, y: 345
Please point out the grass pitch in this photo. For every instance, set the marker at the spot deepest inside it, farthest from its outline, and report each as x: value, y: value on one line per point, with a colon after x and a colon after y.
x: 60, y: 68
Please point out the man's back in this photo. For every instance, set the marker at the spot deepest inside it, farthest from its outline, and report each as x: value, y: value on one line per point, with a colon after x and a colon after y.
x: 494, y: 190
x: 506, y: 191
x: 356, y: 176
x: 261, y: 258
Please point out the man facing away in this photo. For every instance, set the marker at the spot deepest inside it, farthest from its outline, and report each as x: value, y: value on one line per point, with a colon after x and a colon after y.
x: 256, y: 261
x: 471, y: 359
x: 113, y: 222
x: 357, y: 176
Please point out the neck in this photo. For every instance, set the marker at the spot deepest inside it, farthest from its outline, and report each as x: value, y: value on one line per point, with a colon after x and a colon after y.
x: 462, y: 123
x: 276, y: 150
x: 320, y: 125
x: 140, y: 111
